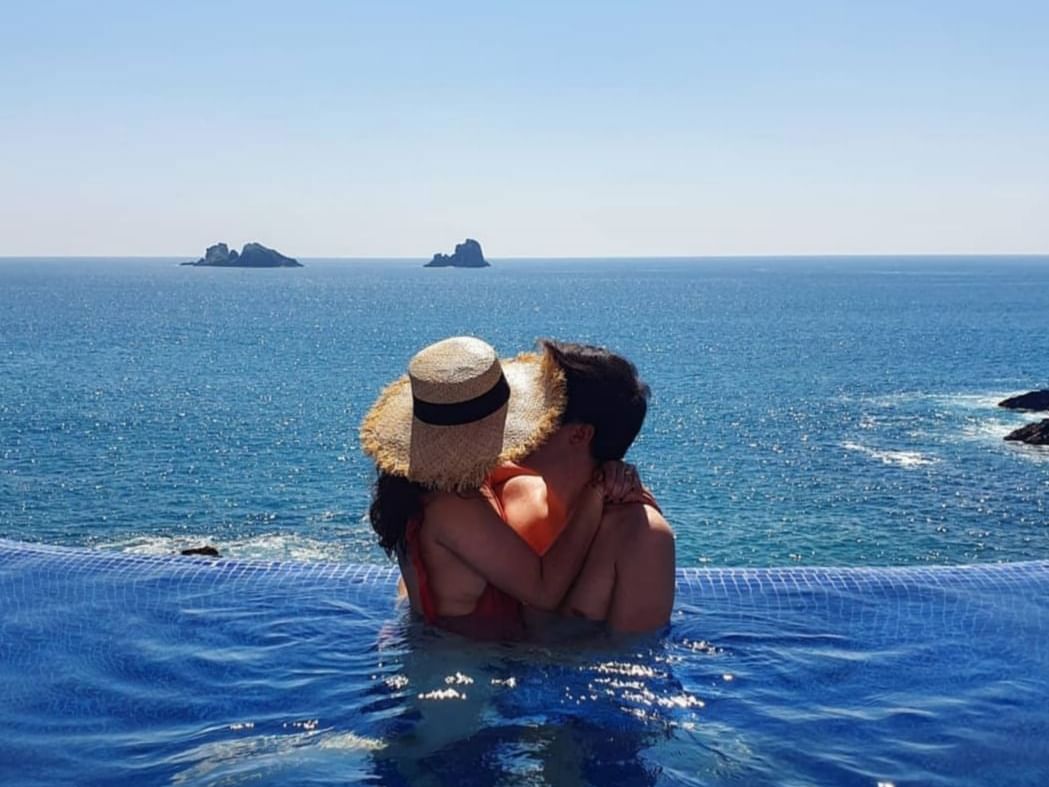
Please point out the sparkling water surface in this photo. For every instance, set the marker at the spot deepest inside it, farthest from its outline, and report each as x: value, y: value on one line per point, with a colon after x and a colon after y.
x: 805, y: 411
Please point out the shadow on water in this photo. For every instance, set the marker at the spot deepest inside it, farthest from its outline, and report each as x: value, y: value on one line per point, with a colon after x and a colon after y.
x: 595, y: 711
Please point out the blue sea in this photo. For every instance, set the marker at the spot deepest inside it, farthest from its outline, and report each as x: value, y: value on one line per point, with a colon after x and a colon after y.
x: 806, y: 412
x: 814, y: 411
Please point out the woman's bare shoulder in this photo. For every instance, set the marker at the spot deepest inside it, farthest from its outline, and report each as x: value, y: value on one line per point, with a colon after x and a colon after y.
x: 523, y: 486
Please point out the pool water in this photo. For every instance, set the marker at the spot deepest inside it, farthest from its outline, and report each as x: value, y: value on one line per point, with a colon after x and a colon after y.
x: 118, y: 668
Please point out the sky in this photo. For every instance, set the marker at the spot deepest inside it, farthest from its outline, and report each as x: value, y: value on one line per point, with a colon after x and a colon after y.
x: 543, y: 129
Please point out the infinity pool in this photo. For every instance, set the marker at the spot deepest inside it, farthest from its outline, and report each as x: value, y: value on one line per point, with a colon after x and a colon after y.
x: 118, y: 668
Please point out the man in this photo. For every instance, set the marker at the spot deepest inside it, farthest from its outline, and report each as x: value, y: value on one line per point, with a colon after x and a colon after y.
x: 627, y: 579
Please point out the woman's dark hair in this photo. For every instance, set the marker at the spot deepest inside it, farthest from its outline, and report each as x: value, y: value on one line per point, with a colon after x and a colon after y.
x: 604, y: 390
x: 395, y: 502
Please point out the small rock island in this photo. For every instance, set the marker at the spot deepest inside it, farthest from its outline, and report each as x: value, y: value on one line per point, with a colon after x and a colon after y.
x: 253, y: 255
x: 1032, y: 434
x: 1033, y: 400
x: 467, y: 255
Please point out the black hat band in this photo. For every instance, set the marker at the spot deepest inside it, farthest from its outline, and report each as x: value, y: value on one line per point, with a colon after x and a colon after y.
x: 460, y: 413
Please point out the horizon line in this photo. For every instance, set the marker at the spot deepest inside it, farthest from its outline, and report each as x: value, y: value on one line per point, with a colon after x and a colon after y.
x: 520, y: 257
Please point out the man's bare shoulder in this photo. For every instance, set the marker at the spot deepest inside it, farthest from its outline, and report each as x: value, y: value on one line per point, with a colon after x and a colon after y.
x: 656, y: 520
x: 639, y: 514
x: 644, y: 531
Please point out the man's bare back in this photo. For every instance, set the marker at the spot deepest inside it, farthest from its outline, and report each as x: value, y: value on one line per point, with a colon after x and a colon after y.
x: 628, y: 577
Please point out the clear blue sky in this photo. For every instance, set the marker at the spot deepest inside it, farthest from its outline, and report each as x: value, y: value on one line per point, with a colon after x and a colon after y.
x: 541, y: 128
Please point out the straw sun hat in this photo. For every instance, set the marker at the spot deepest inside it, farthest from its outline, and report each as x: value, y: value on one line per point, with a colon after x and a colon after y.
x: 460, y: 411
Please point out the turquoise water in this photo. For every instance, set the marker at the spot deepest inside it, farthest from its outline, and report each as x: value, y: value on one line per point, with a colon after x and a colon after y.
x: 805, y: 411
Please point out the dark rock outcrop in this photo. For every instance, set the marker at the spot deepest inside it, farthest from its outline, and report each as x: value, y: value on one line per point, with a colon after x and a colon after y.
x: 206, y: 551
x: 219, y: 254
x: 1033, y: 434
x: 253, y: 255
x: 467, y: 255
x: 1034, y: 400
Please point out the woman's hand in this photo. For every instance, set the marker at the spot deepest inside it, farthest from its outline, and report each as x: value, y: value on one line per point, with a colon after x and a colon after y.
x: 621, y: 481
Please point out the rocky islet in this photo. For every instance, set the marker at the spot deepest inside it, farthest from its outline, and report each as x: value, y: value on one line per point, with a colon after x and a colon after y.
x: 253, y: 255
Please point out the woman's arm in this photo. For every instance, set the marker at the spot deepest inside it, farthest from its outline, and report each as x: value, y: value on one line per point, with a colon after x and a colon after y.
x: 470, y: 528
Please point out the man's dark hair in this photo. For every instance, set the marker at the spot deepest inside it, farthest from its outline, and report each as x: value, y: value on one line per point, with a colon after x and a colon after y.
x: 604, y: 390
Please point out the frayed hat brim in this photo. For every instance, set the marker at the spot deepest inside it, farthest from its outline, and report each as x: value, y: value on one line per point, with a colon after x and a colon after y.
x: 460, y: 457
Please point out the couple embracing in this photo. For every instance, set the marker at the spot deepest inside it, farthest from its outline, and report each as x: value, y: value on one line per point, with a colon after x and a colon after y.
x: 503, y: 494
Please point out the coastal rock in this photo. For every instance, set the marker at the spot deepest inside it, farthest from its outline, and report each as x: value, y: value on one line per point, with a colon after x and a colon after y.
x: 253, y: 255
x: 1032, y: 434
x: 219, y: 254
x: 1034, y: 400
x: 467, y: 255
x: 206, y: 551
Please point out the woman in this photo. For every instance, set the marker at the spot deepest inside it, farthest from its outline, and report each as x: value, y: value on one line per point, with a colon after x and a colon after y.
x: 435, y: 435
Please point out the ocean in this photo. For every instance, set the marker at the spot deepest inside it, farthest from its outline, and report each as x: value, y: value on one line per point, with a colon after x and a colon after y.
x: 805, y: 411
